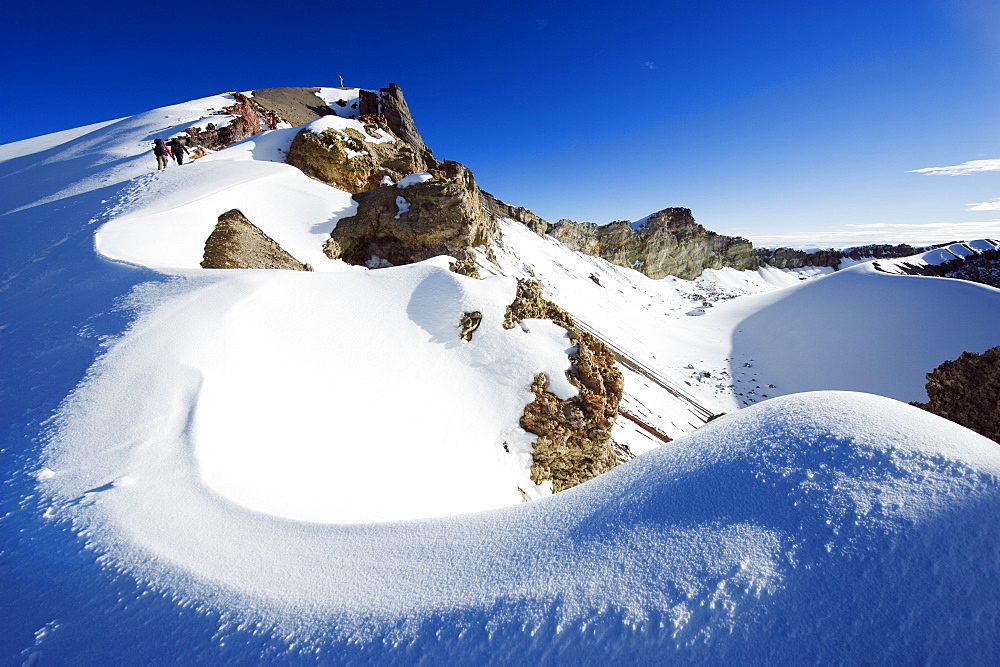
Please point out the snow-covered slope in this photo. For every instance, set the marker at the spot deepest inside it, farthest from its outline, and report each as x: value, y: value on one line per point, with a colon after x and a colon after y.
x: 224, y: 439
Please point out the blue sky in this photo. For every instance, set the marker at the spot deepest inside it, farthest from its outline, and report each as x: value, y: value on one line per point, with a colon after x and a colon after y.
x: 783, y: 121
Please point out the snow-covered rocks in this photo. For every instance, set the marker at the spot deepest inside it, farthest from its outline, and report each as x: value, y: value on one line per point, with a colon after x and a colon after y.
x: 353, y: 155
x: 440, y: 215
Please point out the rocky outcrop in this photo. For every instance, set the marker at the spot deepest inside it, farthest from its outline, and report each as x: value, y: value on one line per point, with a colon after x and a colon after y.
x: 236, y: 243
x: 967, y: 391
x: 520, y: 214
x: 790, y: 258
x: 441, y: 216
x: 983, y: 268
x: 574, y: 435
x: 247, y: 121
x: 667, y: 243
x: 392, y: 105
x: 352, y: 160
x: 295, y: 106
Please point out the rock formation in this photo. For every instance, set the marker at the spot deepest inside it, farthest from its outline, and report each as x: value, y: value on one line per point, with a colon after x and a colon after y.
x: 355, y: 161
x: 247, y: 122
x: 520, y: 214
x: 790, y: 258
x: 967, y: 391
x: 574, y: 435
x: 983, y: 268
x: 667, y: 243
x: 440, y: 216
x: 295, y: 106
x: 236, y: 243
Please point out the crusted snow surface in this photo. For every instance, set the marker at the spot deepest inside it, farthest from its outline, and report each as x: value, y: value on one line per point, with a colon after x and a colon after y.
x: 815, y: 527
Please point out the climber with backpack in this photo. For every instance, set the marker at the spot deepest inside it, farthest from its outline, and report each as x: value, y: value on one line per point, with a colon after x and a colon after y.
x: 178, y: 149
x: 162, y: 154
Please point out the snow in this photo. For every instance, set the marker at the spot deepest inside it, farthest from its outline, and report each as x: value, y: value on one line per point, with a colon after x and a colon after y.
x: 402, y: 206
x: 339, y: 124
x: 249, y: 465
x: 348, y: 98
x: 414, y: 179
x: 815, y: 511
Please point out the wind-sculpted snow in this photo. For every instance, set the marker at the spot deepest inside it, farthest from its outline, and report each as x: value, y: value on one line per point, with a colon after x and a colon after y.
x: 205, y: 492
x: 812, y: 527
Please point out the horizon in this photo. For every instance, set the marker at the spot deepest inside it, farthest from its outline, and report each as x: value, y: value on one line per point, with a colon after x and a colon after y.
x: 784, y: 123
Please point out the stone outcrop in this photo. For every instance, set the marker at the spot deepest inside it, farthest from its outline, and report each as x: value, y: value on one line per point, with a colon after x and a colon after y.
x: 790, y: 258
x: 295, y: 106
x: 983, y: 268
x: 667, y: 243
x: 249, y: 119
x: 355, y: 161
x: 236, y: 243
x: 392, y: 105
x: 574, y: 435
x: 520, y: 214
x: 967, y: 391
x: 441, y: 216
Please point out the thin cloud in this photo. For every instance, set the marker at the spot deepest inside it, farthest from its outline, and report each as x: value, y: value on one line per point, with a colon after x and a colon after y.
x: 986, y: 205
x: 970, y: 167
x: 649, y: 64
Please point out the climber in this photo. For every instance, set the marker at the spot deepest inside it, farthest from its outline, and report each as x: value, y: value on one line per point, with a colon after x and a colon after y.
x: 178, y: 149
x: 162, y: 153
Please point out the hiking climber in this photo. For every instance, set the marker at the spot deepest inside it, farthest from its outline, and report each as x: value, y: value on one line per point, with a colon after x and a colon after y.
x: 178, y: 149
x: 161, y: 152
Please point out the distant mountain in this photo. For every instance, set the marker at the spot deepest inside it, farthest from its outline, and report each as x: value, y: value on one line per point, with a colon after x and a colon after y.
x: 316, y: 394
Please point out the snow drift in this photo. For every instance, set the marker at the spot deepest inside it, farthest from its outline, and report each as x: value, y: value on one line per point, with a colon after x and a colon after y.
x: 240, y: 432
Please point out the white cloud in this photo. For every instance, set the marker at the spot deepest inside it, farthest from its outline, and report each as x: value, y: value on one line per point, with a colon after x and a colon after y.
x: 852, y: 235
x: 649, y: 64
x: 986, y: 205
x: 970, y: 167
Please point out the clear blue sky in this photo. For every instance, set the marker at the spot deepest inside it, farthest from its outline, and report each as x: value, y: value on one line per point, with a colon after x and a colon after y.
x: 764, y: 118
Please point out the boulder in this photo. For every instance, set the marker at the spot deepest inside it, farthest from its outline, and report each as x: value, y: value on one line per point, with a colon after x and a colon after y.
x: 440, y: 216
x: 967, y: 391
x: 352, y: 160
x: 236, y: 243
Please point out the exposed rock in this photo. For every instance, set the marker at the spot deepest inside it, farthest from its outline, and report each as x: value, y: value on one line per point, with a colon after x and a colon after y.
x: 967, y: 391
x: 499, y: 209
x: 464, y: 268
x: 247, y: 122
x: 468, y: 323
x: 790, y: 258
x: 393, y: 106
x: 441, y: 216
x: 295, y: 106
x: 351, y: 160
x: 236, y: 243
x: 983, y: 268
x: 574, y: 435
x: 667, y: 243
